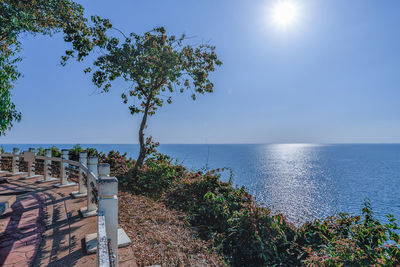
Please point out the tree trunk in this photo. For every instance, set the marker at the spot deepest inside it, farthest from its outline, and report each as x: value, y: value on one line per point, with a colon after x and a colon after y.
x: 142, y: 153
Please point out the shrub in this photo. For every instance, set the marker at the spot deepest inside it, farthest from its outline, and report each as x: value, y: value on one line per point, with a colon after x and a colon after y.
x: 74, y: 152
x: 351, y: 241
x: 55, y: 152
x: 240, y: 230
x: 120, y: 164
x: 155, y: 177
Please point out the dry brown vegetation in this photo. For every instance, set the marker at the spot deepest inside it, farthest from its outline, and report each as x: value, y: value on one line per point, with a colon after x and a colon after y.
x: 161, y: 236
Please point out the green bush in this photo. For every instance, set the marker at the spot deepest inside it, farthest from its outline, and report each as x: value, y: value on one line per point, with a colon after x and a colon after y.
x: 246, y: 234
x: 351, y: 241
x: 55, y: 152
x: 155, y: 177
x: 120, y: 164
x: 74, y: 152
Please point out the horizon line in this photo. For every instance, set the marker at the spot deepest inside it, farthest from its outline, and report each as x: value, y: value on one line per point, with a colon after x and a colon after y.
x: 277, y: 143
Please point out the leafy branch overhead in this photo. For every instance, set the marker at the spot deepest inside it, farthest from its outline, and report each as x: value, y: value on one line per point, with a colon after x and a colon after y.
x: 155, y: 64
x: 45, y: 17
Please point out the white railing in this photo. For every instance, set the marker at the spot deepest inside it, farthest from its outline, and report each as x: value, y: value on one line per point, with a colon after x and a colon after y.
x: 94, y: 183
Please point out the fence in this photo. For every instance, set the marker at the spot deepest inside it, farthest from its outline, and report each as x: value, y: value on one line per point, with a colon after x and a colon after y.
x: 94, y: 183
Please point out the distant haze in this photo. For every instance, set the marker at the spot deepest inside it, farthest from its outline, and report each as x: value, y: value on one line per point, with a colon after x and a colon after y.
x: 334, y: 78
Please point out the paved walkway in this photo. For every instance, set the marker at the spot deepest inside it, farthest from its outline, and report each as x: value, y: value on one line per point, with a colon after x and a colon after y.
x: 43, y: 228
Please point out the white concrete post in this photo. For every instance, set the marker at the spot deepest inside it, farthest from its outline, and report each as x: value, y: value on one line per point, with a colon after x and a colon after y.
x: 63, y: 170
x: 83, y: 160
x: 31, y: 171
x: 108, y: 205
x: 46, y: 165
x: 15, y: 168
x: 63, y: 167
x: 91, y: 209
x: 82, y: 189
x: 92, y: 166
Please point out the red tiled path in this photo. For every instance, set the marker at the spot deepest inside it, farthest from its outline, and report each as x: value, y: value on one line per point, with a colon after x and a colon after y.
x: 44, y: 228
x: 21, y: 229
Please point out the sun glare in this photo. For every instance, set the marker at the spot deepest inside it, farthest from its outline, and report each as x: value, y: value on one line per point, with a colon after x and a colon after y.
x: 285, y: 13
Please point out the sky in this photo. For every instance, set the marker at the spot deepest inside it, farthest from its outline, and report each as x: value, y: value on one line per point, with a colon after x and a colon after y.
x: 331, y: 77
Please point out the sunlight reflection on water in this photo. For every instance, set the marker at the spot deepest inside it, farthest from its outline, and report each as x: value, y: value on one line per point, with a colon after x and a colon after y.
x: 290, y: 182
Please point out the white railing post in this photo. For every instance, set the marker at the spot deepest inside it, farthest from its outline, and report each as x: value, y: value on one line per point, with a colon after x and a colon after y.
x: 82, y: 189
x: 31, y: 171
x: 108, y: 205
x: 93, y: 165
x: 91, y: 209
x: 108, y: 211
x: 63, y: 167
x: 29, y: 158
x: 15, y: 159
x: 63, y: 170
x: 46, y: 165
x: 46, y: 168
x: 103, y: 256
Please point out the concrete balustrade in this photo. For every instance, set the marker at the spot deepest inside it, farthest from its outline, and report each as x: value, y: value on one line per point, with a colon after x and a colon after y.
x: 107, y: 208
x: 91, y: 207
x: 82, y: 189
x: 101, y: 191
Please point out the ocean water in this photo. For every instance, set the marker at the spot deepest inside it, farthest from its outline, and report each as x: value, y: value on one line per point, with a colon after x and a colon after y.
x: 302, y: 181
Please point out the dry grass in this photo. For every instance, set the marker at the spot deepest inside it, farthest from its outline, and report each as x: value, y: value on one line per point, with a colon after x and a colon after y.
x: 161, y: 236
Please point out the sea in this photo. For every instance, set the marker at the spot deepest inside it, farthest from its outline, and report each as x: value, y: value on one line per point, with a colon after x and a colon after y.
x: 302, y: 181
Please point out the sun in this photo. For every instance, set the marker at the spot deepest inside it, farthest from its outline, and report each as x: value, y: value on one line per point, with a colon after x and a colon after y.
x: 285, y: 13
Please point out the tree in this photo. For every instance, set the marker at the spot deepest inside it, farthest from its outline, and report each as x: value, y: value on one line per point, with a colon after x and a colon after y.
x: 46, y: 17
x: 155, y: 66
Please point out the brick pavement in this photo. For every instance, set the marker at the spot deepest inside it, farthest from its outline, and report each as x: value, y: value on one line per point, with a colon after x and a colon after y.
x: 43, y: 228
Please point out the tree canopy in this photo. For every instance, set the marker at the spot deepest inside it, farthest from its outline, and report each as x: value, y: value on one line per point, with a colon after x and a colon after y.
x: 19, y: 17
x: 154, y: 65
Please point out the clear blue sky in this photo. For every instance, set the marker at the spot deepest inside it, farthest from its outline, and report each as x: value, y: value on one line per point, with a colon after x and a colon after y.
x: 334, y: 77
